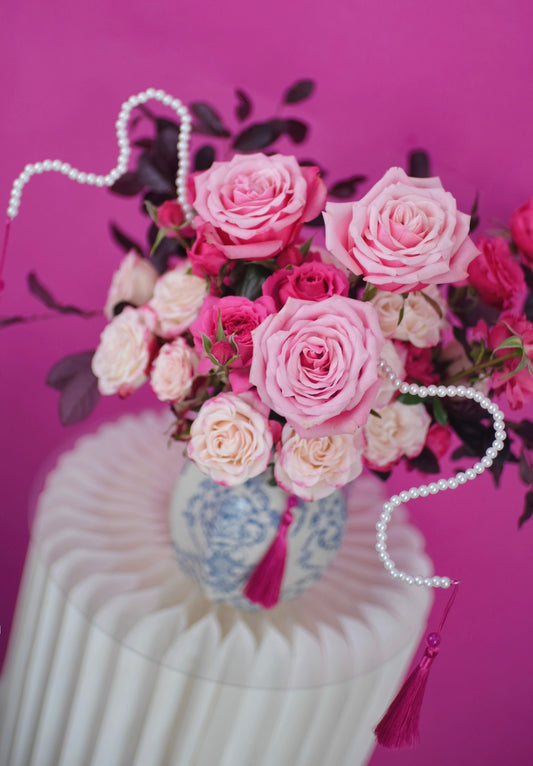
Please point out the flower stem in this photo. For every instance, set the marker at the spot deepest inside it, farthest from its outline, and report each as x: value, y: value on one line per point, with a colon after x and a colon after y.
x: 492, y: 362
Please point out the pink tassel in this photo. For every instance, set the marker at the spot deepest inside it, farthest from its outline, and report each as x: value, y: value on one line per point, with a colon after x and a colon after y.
x: 264, y: 585
x: 399, y: 726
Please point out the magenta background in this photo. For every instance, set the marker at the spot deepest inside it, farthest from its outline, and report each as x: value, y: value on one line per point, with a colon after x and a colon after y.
x: 454, y: 77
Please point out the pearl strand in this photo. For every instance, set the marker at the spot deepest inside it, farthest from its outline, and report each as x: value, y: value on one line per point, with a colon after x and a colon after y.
x: 124, y: 152
x: 442, y: 484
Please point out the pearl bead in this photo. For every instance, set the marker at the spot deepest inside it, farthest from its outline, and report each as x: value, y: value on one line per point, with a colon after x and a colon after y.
x: 423, y: 392
x: 432, y: 390
x: 441, y: 391
x: 414, y: 493
x: 404, y: 388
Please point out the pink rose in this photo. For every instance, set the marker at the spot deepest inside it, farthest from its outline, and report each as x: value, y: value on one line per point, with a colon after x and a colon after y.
x: 170, y: 215
x: 124, y: 354
x: 316, y: 364
x: 230, y: 438
x: 239, y: 317
x: 172, y: 371
x: 519, y: 387
x: 311, y: 281
x: 404, y: 234
x: 522, y: 228
x: 314, y: 468
x: 205, y: 257
x: 494, y: 274
x: 133, y: 282
x: 419, y: 366
x: 400, y: 430
x: 256, y: 205
x: 178, y: 298
x: 438, y: 439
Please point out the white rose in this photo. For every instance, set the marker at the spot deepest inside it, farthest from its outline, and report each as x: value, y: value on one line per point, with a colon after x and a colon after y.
x: 172, y: 372
x: 124, y: 353
x: 133, y: 282
x: 395, y: 358
x: 177, y: 300
x: 421, y: 323
x: 314, y: 468
x: 401, y: 430
x: 230, y: 438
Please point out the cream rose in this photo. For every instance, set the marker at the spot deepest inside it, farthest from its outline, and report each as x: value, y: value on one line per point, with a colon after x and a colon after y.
x: 123, y: 356
x: 395, y: 358
x: 400, y: 430
x: 421, y: 324
x: 230, y: 439
x: 172, y: 372
x: 178, y: 298
x: 314, y: 468
x: 133, y: 282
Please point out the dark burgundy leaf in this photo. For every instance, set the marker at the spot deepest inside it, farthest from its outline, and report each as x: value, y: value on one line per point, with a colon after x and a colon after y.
x: 7, y: 321
x: 528, y: 509
x: 254, y: 277
x: 313, y: 164
x: 528, y: 276
x: 210, y: 123
x: 143, y: 143
x: 426, y: 462
x: 163, y: 122
x: 382, y: 475
x: 151, y: 176
x: 244, y: 106
x: 118, y: 308
x: 78, y: 398
x: 156, y: 198
x: 41, y: 292
x: 299, y: 91
x: 528, y: 307
x: 346, y: 188
x: 125, y: 242
x: 316, y: 222
x: 474, y: 217
x: 258, y: 136
x: 524, y: 430
x: 419, y: 165
x: 128, y: 185
x: 166, y: 248
x: 164, y: 153
x: 67, y: 368
x: 524, y: 468
x: 204, y: 157
x: 296, y: 130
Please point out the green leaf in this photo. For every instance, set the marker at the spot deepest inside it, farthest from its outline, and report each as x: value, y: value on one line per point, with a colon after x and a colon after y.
x: 409, y: 399
x: 402, y: 312
x: 370, y: 291
x: 221, y: 335
x: 304, y: 249
x: 207, y: 344
x: 513, y: 342
x: 434, y: 305
x: 439, y: 411
x: 160, y: 236
x: 252, y: 282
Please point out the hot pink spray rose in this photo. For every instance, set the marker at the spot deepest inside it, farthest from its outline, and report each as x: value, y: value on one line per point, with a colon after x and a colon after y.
x: 497, y: 278
x: 404, y: 234
x: 522, y: 228
x: 254, y: 205
x: 315, y: 363
x: 519, y: 387
x: 310, y: 281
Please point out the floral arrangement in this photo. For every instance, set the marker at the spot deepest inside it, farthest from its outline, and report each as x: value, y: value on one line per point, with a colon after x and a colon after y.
x: 264, y: 337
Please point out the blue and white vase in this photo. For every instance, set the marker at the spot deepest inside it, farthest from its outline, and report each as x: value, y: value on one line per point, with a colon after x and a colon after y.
x: 221, y: 533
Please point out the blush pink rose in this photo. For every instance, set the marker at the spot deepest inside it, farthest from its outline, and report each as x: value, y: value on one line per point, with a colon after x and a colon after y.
x: 316, y: 364
x: 177, y: 300
x: 406, y: 233
x: 519, y: 387
x: 495, y: 275
x: 172, y: 371
x: 400, y: 430
x: 311, y: 281
x: 314, y: 468
x: 521, y: 225
x: 231, y: 439
x: 124, y: 354
x: 133, y: 282
x: 254, y: 205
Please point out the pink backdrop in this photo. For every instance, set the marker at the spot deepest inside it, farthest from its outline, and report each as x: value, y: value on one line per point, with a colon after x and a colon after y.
x: 454, y: 77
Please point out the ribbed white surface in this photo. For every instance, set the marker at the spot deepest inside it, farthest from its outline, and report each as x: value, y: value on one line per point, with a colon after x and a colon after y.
x: 116, y: 658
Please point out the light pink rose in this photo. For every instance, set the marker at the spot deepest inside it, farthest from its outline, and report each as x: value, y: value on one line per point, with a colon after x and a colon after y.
x: 400, y: 430
x: 314, y: 468
x: 254, y: 205
x: 495, y: 275
x: 406, y: 233
x: 522, y: 228
x: 310, y: 281
x: 316, y: 364
x: 172, y: 371
x: 519, y: 387
x: 421, y: 323
x: 230, y: 438
x: 394, y: 356
x: 178, y: 298
x: 133, y: 282
x: 124, y: 354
